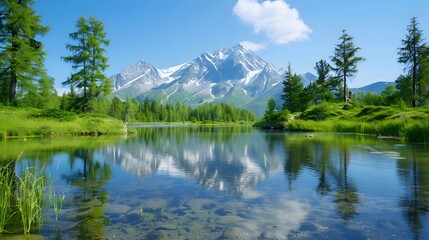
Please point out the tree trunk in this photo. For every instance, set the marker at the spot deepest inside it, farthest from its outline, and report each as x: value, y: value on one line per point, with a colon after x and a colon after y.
x: 12, y: 88
x: 345, y: 87
x: 414, y: 83
x: 13, y: 73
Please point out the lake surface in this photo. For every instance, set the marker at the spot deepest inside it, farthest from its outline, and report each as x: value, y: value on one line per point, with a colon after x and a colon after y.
x: 189, y: 182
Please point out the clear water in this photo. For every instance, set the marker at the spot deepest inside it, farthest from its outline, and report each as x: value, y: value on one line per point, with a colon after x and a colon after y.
x: 231, y: 183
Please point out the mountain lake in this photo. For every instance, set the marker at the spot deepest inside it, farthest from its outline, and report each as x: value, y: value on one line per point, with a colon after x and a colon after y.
x: 204, y: 182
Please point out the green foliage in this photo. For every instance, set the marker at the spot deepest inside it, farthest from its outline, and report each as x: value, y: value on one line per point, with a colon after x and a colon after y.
x: 318, y: 112
x: 414, y: 55
x: 359, y: 127
x: 272, y: 118
x: 292, y: 92
x: 30, y: 198
x: 117, y: 109
x: 271, y: 106
x: 369, y: 110
x: 88, y: 58
x: 345, y: 60
x: 57, y: 202
x: 404, y: 89
x: 146, y: 111
x: 306, y: 126
x: 26, y: 122
x: 348, y: 106
x: 325, y: 83
x: 416, y: 131
x: 21, y: 54
x: 7, y: 176
x: 54, y: 114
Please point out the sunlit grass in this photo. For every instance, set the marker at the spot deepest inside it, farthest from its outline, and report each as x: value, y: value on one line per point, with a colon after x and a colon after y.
x: 409, y: 124
x: 416, y: 131
x: 26, y: 123
x: 30, y: 198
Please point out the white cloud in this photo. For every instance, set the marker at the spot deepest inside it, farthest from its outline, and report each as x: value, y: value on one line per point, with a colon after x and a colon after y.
x: 253, y: 46
x: 276, y: 19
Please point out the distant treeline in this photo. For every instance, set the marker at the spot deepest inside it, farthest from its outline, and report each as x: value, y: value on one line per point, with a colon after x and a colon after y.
x: 132, y: 110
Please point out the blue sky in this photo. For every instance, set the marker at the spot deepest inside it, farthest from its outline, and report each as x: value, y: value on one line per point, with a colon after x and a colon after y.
x: 300, y: 32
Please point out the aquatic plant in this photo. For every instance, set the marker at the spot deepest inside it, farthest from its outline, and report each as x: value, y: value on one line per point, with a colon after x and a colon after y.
x: 156, y: 213
x: 30, y: 197
x: 416, y: 131
x: 141, y: 212
x: 6, y: 193
x: 57, y: 200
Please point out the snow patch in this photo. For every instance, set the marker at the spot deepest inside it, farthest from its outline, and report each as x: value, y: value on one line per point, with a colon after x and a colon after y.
x: 251, y: 75
x: 168, y: 96
x: 166, y: 73
x: 133, y: 80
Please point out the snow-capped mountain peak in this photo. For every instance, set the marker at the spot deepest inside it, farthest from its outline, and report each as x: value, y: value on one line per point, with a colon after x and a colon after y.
x: 234, y: 75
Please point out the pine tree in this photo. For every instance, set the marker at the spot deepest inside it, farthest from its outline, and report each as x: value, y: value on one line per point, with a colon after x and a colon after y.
x: 271, y: 107
x: 48, y: 93
x: 21, y: 55
x: 345, y: 60
x: 325, y: 83
x: 89, y: 60
x: 414, y: 54
x: 117, y: 109
x: 292, y: 88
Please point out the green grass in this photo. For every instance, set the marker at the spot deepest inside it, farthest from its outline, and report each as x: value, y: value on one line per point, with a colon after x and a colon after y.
x: 409, y: 124
x: 24, y: 195
x: 416, y: 131
x: 6, y: 193
x: 57, y: 201
x: 30, y: 198
x: 21, y: 123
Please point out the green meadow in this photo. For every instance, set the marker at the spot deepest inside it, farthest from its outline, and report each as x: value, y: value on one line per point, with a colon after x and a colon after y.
x: 409, y: 124
x: 28, y: 122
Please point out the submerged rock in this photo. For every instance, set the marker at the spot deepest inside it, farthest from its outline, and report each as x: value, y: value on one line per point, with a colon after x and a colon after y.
x: 117, y: 209
x: 232, y: 233
x: 229, y: 219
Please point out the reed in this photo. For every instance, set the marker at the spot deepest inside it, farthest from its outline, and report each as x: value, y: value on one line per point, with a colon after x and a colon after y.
x: 57, y: 201
x: 141, y: 213
x: 6, y: 193
x: 30, y: 197
x: 416, y: 131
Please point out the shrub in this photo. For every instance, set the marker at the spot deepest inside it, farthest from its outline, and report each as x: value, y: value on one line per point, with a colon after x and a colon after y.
x: 348, y: 106
x: 382, y: 115
x: 319, y: 112
x: 54, y: 114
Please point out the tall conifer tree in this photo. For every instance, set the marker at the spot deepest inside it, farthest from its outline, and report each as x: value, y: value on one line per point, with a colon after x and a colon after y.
x: 292, y: 89
x: 345, y: 60
x: 414, y: 54
x: 21, y: 54
x: 89, y: 61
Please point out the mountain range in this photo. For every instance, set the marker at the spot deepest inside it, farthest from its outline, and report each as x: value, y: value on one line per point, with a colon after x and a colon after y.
x: 233, y: 75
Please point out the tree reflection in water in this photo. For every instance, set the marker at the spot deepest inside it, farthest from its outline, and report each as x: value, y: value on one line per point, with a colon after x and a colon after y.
x: 346, y: 197
x: 329, y: 158
x: 90, y: 175
x: 414, y: 171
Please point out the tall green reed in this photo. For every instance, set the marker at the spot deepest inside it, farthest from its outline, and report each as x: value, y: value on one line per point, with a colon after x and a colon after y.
x: 6, y: 193
x: 30, y: 197
x: 57, y: 201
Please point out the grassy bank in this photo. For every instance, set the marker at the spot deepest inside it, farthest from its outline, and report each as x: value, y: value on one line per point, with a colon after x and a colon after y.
x: 20, y: 123
x: 409, y: 124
